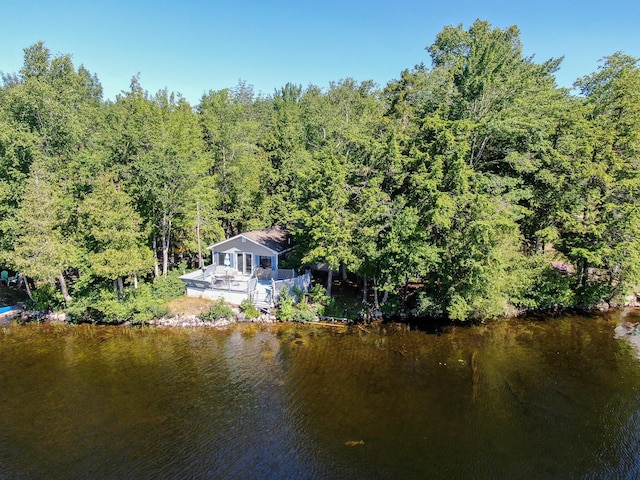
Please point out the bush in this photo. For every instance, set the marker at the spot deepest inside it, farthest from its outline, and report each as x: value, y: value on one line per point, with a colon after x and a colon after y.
x: 138, y: 307
x: 169, y: 287
x: 218, y: 310
x: 286, y: 307
x: 551, y: 288
x: 427, y: 306
x: 47, y: 298
x: 304, y: 315
x: 249, y: 309
x: 318, y: 294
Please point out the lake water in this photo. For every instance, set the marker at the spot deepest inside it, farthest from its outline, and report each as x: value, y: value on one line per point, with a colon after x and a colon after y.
x: 553, y: 399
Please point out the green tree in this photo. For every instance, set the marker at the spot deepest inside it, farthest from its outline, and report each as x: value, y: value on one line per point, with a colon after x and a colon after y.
x: 44, y: 139
x: 598, y: 230
x: 232, y: 123
x: 285, y: 147
x: 44, y: 246
x: 114, y: 237
x: 158, y: 150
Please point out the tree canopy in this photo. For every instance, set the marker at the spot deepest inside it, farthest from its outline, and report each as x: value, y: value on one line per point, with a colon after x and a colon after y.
x: 473, y: 183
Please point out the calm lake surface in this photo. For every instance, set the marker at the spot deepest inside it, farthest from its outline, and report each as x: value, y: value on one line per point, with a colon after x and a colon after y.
x: 558, y: 399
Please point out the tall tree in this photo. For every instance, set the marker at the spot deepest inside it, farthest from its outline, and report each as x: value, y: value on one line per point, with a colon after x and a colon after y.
x: 232, y: 123
x: 113, y: 233
x: 44, y: 245
x: 598, y: 231
x: 48, y: 132
x: 167, y: 172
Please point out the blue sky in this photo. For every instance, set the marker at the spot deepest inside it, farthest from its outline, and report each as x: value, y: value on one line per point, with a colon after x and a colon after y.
x: 195, y: 46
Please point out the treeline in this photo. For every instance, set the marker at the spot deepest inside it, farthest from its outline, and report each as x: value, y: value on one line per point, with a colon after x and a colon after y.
x: 475, y: 180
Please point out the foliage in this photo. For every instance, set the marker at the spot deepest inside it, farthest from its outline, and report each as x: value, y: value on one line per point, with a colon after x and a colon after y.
x: 169, y: 287
x: 464, y: 181
x: 106, y: 306
x: 286, y: 306
x: 294, y: 308
x: 113, y: 232
x: 552, y: 287
x: 249, y: 309
x: 46, y: 298
x: 304, y: 313
x: 217, y: 311
x: 317, y: 294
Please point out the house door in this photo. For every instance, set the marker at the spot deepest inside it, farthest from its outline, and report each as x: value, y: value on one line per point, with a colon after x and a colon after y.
x: 245, y: 263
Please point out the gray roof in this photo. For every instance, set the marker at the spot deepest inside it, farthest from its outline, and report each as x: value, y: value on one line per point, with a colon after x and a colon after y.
x: 276, y: 238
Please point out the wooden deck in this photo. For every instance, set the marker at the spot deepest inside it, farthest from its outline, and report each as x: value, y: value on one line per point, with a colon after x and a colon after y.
x: 234, y: 288
x: 260, y: 296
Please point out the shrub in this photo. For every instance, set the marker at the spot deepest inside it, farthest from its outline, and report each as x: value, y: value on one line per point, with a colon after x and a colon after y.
x: 169, y: 287
x: 46, y: 298
x: 298, y: 293
x: 551, y: 288
x: 318, y: 294
x: 285, y: 306
x: 304, y: 315
x: 249, y: 309
x: 143, y: 305
x: 218, y: 310
x: 138, y: 307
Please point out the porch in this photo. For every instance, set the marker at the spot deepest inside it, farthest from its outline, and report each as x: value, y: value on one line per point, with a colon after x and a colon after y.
x: 233, y: 286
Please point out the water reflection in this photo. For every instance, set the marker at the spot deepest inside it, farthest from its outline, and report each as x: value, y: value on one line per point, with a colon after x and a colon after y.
x: 517, y: 399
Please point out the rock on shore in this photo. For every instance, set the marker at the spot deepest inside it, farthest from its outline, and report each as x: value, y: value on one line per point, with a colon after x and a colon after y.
x: 195, y: 321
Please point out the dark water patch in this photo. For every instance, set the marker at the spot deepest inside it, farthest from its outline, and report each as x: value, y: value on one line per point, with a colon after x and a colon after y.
x: 512, y: 399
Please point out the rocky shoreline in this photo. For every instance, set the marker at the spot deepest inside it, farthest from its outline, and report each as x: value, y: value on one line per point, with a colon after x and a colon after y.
x: 189, y: 321
x: 184, y: 321
x: 629, y: 331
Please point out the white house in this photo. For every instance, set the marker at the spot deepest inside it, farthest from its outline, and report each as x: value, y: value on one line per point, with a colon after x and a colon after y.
x: 247, y: 266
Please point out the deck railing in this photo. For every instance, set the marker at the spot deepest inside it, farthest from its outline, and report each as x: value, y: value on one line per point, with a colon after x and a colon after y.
x: 302, y: 283
x: 213, y: 279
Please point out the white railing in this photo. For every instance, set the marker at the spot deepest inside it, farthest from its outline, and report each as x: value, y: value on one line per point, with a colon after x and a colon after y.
x: 213, y: 278
x: 252, y: 284
x: 302, y: 283
x: 286, y: 274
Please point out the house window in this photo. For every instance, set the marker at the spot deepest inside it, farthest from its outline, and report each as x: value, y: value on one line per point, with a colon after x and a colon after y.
x: 266, y: 262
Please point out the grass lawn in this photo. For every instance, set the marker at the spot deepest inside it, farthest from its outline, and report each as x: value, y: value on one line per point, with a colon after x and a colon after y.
x: 188, y: 306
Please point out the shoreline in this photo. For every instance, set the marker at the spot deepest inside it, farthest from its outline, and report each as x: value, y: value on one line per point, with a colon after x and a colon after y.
x: 183, y: 320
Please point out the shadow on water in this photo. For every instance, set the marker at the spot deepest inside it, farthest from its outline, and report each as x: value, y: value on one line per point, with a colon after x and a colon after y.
x: 512, y: 399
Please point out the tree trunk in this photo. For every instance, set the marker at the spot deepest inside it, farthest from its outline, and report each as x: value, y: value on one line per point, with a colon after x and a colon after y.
x: 156, y: 271
x: 200, y: 261
x: 584, y: 278
x: 63, y: 288
x: 165, y: 256
x: 404, y: 293
x: 166, y: 241
x: 376, y: 303
x: 135, y: 281
x: 120, y: 287
x: 365, y: 289
x: 343, y: 272
x: 329, y: 281
x: 385, y: 296
x: 27, y: 288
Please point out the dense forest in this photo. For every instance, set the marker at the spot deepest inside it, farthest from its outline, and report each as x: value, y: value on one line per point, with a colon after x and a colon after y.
x: 476, y: 180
